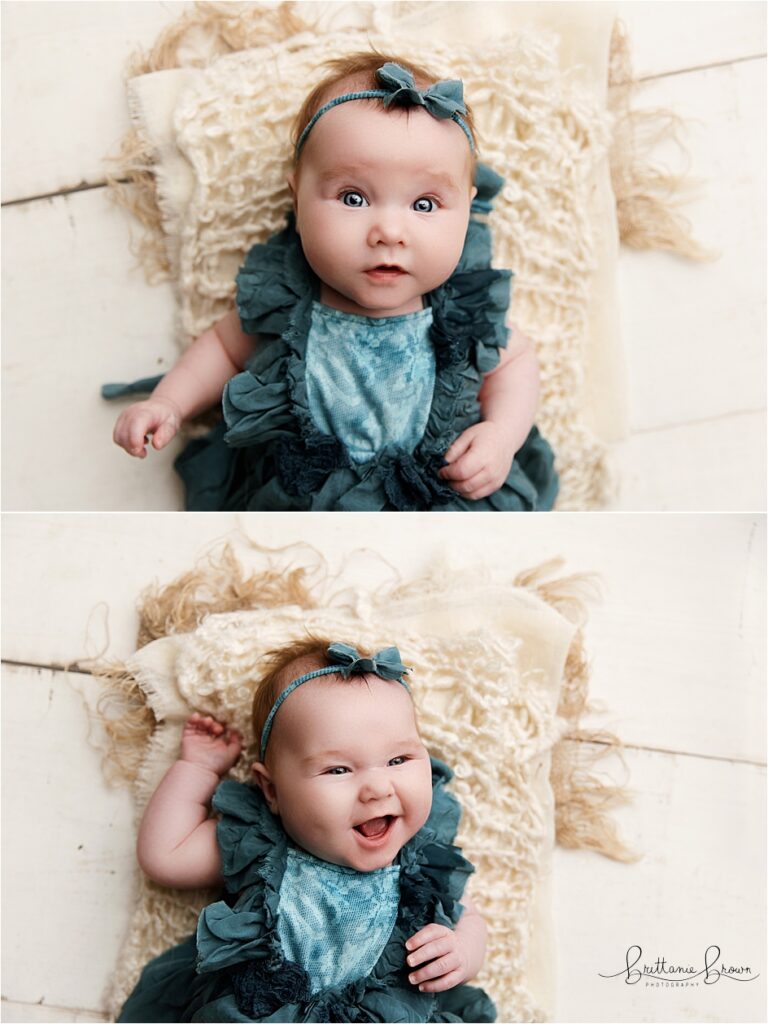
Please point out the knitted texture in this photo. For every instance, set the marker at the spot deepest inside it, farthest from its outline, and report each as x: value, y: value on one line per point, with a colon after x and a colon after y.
x: 538, y: 127
x: 496, y: 734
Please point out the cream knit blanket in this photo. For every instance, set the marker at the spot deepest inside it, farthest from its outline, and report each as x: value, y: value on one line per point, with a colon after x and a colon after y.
x: 499, y: 678
x: 217, y: 142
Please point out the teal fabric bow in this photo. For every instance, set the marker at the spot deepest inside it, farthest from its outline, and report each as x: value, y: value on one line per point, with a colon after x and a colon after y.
x: 348, y: 661
x: 442, y: 100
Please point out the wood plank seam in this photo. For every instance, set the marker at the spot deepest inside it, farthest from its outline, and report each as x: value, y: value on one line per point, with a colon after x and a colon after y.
x: 93, y: 1011
x: 47, y: 666
x: 85, y: 187
x: 701, y: 67
x: 673, y: 753
x: 638, y: 431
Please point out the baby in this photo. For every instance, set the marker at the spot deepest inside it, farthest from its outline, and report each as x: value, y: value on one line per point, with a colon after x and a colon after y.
x: 343, y: 884
x: 368, y: 364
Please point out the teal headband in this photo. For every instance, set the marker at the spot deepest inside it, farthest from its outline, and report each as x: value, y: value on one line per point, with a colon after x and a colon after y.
x: 442, y: 100
x: 346, y: 662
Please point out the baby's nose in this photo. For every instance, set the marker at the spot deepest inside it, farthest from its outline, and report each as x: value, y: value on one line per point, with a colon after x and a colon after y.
x: 388, y: 228
x: 376, y: 787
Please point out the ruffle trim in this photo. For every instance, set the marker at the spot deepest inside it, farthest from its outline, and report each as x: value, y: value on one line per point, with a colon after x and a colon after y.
x: 267, y: 404
x: 241, y: 938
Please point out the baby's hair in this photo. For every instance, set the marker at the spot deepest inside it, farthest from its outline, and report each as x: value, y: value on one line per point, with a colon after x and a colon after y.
x: 283, y: 665
x: 357, y: 71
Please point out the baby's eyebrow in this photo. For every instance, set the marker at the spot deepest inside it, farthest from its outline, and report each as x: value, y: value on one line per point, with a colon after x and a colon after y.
x: 326, y: 755
x: 342, y: 171
x: 443, y: 179
x: 427, y: 177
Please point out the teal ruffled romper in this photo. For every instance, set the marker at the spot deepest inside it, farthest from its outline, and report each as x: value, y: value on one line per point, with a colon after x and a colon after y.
x: 235, y: 968
x: 271, y: 454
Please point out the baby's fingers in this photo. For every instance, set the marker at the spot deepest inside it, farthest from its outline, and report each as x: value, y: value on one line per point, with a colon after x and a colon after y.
x: 441, y: 968
x: 131, y: 434
x: 123, y: 435
x: 428, y: 933
x: 464, y: 468
x: 204, y: 724
x: 443, y: 983
x: 431, y: 950
x: 234, y: 739
x: 164, y: 433
x: 460, y: 445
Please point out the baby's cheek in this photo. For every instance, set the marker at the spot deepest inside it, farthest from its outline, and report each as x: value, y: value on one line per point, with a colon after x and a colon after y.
x: 425, y: 792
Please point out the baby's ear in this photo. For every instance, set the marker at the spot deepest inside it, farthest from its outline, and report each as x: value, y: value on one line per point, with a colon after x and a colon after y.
x: 263, y: 780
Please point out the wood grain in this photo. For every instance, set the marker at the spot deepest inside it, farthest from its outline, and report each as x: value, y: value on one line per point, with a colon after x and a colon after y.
x: 79, y: 314
x: 694, y: 333
x: 67, y: 844
x: 699, y: 827
x: 64, y: 106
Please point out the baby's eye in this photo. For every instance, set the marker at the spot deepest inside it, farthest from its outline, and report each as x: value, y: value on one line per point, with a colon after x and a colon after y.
x: 425, y: 205
x: 400, y: 759
x: 337, y: 770
x: 355, y: 199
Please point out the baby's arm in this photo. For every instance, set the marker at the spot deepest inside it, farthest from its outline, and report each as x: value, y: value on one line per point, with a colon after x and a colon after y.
x: 177, y: 840
x: 451, y: 957
x: 195, y: 383
x: 480, y: 458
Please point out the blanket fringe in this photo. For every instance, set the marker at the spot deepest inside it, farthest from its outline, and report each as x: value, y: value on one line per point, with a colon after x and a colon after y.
x: 648, y: 197
x: 127, y: 723
x: 584, y: 801
x: 219, y: 584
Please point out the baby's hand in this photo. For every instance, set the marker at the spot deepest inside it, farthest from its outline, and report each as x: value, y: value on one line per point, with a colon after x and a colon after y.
x: 210, y: 744
x: 157, y: 416
x: 443, y: 952
x: 480, y: 460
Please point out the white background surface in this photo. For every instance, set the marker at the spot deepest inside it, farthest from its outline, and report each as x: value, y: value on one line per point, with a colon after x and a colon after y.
x: 677, y: 648
x: 77, y: 312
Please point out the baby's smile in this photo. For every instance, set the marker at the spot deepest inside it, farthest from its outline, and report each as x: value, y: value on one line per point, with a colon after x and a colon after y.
x: 376, y: 830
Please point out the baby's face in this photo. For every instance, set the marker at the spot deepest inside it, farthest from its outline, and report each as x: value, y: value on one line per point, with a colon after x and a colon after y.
x: 350, y: 777
x: 382, y: 205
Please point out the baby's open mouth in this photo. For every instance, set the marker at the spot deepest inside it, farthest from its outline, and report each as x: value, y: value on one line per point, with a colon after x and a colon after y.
x: 375, y: 828
x: 385, y: 270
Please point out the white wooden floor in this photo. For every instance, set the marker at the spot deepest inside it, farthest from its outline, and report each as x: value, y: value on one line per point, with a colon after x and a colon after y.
x: 77, y: 313
x: 677, y: 648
